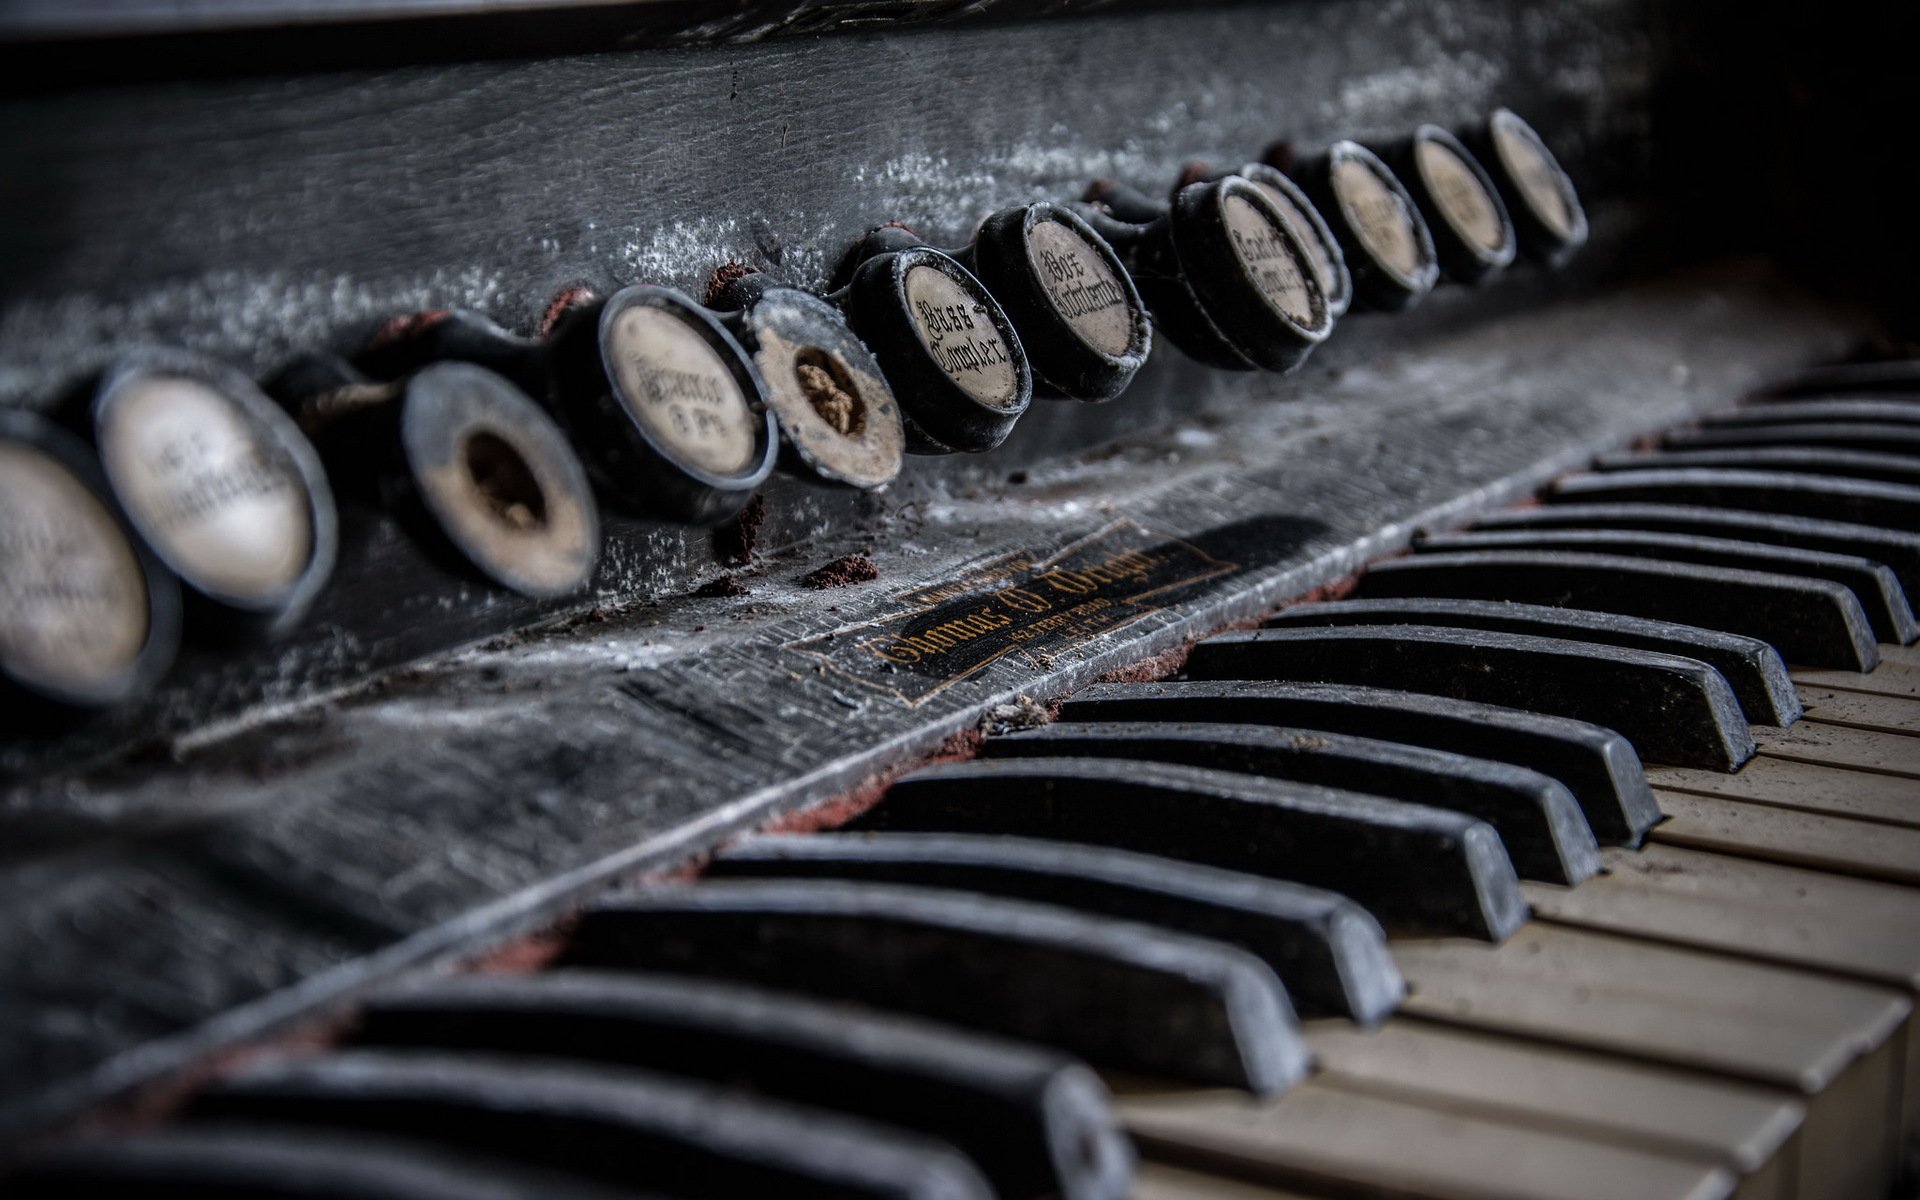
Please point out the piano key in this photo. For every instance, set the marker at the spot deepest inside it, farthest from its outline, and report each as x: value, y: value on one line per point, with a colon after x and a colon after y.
x: 1842, y: 926
x: 1770, y: 1025
x: 1413, y: 867
x: 1862, y: 710
x: 1036, y: 1123
x: 1739, y: 1125
x: 1836, y: 745
x: 1749, y: 665
x: 1328, y: 951
x: 1902, y: 657
x: 1872, y: 584
x: 1794, y: 916
x: 1876, y: 941
x: 1822, y: 497
x: 1808, y: 621
x: 1596, y: 764
x: 1819, y: 409
x: 1115, y: 993
x: 1898, y: 549
x: 1889, y: 379
x: 1838, y: 1043
x: 255, y: 1161
x: 1673, y: 709
x: 1882, y: 452
x: 1538, y: 819
x: 1601, y: 1096
x: 1746, y: 881
x: 1866, y: 849
x: 1894, y: 681
x: 1324, y: 1134
x: 1805, y: 456
x: 1810, y: 787
x: 622, y: 1127
x: 1158, y: 1181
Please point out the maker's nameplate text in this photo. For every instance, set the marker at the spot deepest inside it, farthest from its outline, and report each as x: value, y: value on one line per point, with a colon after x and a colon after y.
x: 1022, y: 603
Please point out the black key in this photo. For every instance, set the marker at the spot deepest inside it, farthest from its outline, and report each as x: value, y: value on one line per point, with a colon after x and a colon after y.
x: 1891, y: 379
x: 1816, y: 409
x: 1328, y: 951
x: 1117, y: 994
x: 1872, y: 583
x: 1900, y: 551
x: 1036, y: 1122
x: 1797, y: 460
x: 1756, y: 674
x: 1822, y: 497
x: 621, y: 1127
x: 1596, y: 764
x: 231, y: 1161
x: 1415, y: 868
x: 1545, y: 833
x: 1674, y: 710
x: 1836, y: 437
x: 1809, y: 621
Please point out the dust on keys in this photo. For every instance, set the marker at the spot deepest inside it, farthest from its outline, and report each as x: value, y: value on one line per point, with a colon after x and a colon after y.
x: 1724, y: 1007
x: 1571, y: 856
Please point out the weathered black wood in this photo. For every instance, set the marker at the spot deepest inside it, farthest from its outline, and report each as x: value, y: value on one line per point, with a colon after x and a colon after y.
x: 1883, y: 438
x: 1036, y: 1123
x: 1900, y: 551
x: 1596, y: 764
x: 1808, y: 621
x: 1872, y: 584
x: 1826, y: 498
x: 259, y: 1161
x: 1328, y: 950
x: 1750, y: 666
x: 1416, y: 868
x: 1675, y: 710
x: 1120, y: 995
x: 623, y: 1127
x: 1537, y: 818
x: 1798, y: 459
x: 1836, y: 410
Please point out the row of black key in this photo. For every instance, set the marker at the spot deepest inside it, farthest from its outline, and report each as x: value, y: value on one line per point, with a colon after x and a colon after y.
x: 1151, y: 884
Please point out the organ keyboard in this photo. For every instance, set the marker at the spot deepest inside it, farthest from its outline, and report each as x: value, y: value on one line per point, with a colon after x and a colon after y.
x: 1571, y: 853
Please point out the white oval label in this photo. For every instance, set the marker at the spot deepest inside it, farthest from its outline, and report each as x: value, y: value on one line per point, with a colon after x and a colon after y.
x: 1082, y: 287
x: 73, y: 599
x: 202, y: 486
x: 1537, y: 176
x: 1458, y: 193
x: 677, y: 385
x: 1305, y: 233
x: 1269, y: 260
x: 1378, y: 216
x: 956, y: 330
